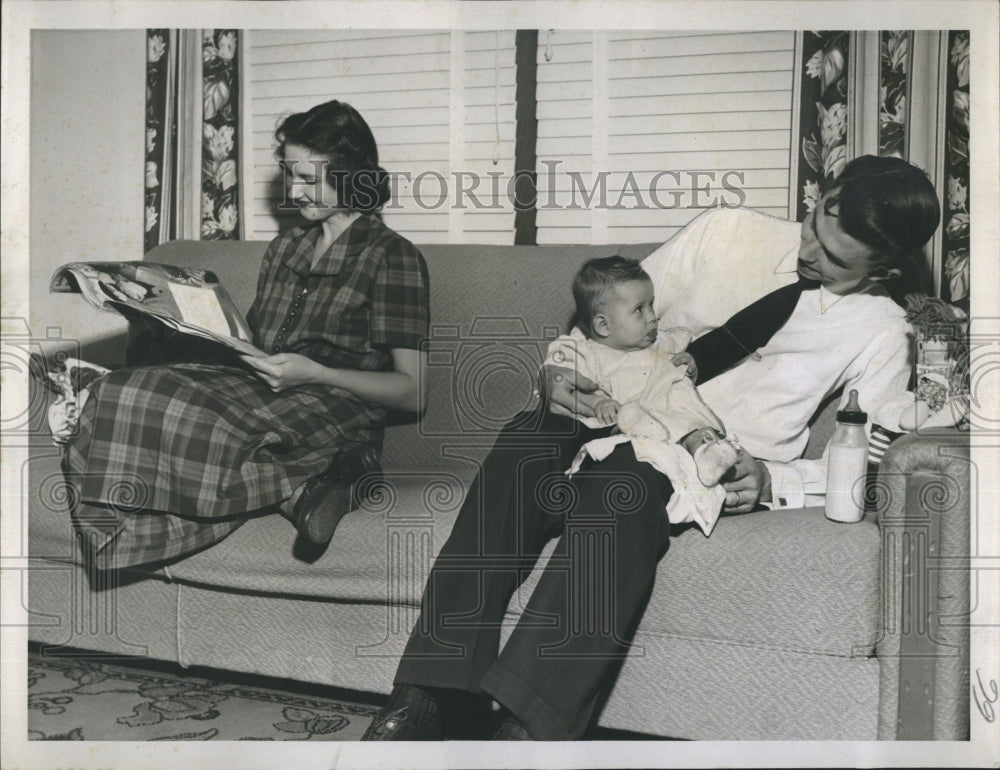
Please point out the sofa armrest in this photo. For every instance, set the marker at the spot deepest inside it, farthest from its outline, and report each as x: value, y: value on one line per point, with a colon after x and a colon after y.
x: 923, y: 494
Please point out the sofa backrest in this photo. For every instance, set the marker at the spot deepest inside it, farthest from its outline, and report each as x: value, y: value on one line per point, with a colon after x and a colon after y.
x: 493, y: 311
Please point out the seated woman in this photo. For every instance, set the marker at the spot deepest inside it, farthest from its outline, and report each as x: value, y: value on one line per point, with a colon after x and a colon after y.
x: 171, y: 459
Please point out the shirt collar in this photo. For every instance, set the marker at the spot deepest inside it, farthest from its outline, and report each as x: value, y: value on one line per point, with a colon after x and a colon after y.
x: 348, y: 244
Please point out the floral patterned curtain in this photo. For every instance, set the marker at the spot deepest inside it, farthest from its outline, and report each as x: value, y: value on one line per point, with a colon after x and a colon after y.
x: 955, y: 286
x: 219, y: 178
x: 823, y: 115
x: 159, y: 93
x: 894, y: 68
x: 218, y: 185
x: 825, y: 101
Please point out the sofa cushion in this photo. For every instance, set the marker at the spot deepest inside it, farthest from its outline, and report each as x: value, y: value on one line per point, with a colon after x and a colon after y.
x: 381, y: 552
x: 785, y: 579
x: 789, y: 580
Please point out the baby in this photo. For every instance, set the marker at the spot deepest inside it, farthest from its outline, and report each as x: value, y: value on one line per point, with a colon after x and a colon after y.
x: 641, y: 371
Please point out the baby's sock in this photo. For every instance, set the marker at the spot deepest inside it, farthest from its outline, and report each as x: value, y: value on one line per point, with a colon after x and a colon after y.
x: 713, y: 460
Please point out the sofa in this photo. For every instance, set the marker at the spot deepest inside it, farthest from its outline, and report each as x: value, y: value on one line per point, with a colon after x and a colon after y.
x: 781, y: 625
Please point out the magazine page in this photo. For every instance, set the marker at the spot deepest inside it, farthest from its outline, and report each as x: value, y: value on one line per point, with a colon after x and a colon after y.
x: 239, y: 345
x: 187, y: 300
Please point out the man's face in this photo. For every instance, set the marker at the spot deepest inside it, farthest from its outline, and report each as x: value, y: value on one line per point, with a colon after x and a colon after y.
x: 829, y: 255
x: 629, y: 316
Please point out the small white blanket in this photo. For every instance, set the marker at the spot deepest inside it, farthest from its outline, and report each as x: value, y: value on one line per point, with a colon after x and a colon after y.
x: 691, y: 501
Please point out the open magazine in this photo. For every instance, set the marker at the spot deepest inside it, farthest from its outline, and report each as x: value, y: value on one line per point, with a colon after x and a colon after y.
x: 183, y: 299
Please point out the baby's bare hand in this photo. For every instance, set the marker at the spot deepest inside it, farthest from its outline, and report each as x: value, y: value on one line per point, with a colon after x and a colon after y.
x: 606, y: 411
x: 686, y: 359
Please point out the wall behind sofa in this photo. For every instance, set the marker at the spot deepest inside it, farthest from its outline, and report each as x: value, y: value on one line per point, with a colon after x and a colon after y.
x: 87, y: 138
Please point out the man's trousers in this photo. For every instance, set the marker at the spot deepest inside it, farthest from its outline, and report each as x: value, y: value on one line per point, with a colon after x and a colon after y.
x: 565, y: 651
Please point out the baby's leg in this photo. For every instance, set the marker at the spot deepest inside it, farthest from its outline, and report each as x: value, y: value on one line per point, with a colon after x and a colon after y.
x: 713, y: 454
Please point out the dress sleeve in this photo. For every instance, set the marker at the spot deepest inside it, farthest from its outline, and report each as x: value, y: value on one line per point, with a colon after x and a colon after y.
x: 263, y: 279
x: 400, y: 298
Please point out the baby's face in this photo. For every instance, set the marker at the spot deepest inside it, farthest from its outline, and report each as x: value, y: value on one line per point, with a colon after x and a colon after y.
x: 631, y: 318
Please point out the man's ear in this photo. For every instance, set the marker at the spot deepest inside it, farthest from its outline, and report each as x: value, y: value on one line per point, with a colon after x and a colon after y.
x: 600, y: 325
x: 883, y: 274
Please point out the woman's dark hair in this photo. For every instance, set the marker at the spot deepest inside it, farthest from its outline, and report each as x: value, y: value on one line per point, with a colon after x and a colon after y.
x: 594, y: 278
x: 337, y: 132
x: 891, y: 206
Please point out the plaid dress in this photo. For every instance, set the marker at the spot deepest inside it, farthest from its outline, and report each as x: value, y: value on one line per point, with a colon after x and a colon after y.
x: 171, y: 459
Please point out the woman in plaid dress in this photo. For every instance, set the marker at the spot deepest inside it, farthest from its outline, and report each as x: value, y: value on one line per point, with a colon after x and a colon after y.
x: 171, y: 459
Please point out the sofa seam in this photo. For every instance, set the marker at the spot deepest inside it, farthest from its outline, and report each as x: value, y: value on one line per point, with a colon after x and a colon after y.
x: 754, y: 645
x: 181, y: 658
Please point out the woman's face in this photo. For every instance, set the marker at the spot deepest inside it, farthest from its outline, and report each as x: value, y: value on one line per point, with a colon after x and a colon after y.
x: 307, y: 183
x: 829, y: 255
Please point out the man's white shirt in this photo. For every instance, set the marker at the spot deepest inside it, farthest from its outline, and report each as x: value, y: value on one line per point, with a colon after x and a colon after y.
x: 725, y: 260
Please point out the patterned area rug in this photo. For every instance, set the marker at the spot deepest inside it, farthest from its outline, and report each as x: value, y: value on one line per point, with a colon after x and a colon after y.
x: 74, y: 699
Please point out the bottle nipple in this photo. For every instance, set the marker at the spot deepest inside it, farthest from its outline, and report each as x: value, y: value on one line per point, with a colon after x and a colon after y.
x: 852, y: 411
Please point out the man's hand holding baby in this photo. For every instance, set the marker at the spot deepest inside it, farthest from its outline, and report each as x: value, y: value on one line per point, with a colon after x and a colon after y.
x: 571, y: 394
x: 567, y: 392
x: 604, y: 407
x: 750, y: 484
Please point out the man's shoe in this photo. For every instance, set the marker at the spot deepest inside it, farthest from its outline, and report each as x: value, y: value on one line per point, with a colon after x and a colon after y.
x: 466, y: 716
x: 326, y: 498
x: 410, y: 715
x: 511, y: 729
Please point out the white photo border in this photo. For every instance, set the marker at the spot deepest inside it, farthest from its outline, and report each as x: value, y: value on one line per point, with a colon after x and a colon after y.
x: 980, y: 16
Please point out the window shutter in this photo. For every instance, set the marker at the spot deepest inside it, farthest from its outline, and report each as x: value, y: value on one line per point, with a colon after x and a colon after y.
x: 488, y: 86
x: 674, y: 122
x: 432, y: 98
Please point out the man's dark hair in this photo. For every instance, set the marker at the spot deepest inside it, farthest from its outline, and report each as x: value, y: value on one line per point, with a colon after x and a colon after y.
x: 891, y: 206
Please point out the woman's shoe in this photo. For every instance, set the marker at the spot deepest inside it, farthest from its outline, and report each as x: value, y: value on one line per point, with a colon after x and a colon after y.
x: 326, y: 498
x: 411, y: 714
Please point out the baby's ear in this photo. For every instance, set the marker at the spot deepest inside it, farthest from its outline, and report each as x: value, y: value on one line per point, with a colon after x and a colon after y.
x: 600, y: 325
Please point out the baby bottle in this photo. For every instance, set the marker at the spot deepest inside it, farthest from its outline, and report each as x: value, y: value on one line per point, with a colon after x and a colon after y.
x: 848, y: 464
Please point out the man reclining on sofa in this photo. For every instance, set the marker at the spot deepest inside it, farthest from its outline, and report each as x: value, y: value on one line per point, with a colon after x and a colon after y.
x: 860, y: 251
